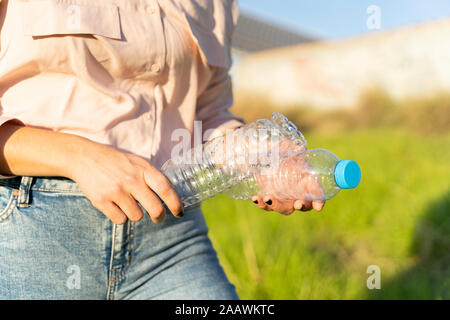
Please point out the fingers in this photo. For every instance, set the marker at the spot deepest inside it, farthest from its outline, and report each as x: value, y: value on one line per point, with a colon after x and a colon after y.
x: 286, y: 207
x: 298, y: 204
x: 308, y: 205
x: 318, y: 205
x: 270, y: 203
x: 125, y: 205
x: 305, y: 205
x: 157, y: 213
x: 150, y: 202
x: 258, y: 201
x: 151, y: 184
x: 113, y: 212
x: 162, y: 187
x: 129, y: 206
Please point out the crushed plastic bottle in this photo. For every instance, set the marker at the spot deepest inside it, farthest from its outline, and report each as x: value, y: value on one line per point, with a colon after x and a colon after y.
x: 266, y: 157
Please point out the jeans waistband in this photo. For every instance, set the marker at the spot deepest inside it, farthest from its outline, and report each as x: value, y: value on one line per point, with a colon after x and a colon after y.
x: 25, y: 184
x: 55, y: 184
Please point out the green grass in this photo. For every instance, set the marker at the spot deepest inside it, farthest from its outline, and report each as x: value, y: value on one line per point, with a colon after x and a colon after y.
x: 398, y: 218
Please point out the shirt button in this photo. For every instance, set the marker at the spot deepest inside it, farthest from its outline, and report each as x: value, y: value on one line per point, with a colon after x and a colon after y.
x: 156, y: 68
x: 147, y: 116
x: 150, y: 9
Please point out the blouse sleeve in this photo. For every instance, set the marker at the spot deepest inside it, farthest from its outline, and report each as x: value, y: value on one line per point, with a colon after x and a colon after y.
x: 214, y: 103
x: 3, y: 120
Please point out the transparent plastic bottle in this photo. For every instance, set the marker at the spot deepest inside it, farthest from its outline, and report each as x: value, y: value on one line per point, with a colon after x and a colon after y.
x: 263, y: 157
x: 311, y: 175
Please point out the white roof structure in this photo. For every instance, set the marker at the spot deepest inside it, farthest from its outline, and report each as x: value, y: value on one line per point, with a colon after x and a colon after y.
x: 412, y: 61
x: 253, y: 34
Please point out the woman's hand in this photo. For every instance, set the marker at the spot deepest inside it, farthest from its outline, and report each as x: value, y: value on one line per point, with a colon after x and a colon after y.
x: 113, y: 181
x: 286, y: 207
x: 269, y: 182
x: 272, y: 186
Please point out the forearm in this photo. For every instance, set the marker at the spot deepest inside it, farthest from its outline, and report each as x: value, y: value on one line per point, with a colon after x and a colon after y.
x: 37, y: 152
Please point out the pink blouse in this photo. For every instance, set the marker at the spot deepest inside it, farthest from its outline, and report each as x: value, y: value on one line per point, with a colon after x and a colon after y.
x: 126, y: 73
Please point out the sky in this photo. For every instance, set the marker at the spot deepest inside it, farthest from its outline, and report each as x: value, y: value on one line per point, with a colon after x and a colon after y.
x: 334, y: 19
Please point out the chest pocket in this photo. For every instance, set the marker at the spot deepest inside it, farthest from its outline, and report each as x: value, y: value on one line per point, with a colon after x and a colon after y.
x: 45, y: 18
x: 123, y: 40
x: 62, y: 35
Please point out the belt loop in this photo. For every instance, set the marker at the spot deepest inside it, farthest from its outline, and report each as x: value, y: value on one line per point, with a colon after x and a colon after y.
x: 23, y: 199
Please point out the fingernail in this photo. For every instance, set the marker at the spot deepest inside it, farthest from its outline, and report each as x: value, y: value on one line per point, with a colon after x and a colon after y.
x: 268, y: 202
x: 317, y: 207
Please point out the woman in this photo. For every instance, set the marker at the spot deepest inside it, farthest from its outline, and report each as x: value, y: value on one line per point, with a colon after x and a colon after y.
x: 90, y: 94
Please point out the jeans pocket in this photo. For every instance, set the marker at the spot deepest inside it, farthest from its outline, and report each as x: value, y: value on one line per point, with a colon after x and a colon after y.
x: 7, y: 202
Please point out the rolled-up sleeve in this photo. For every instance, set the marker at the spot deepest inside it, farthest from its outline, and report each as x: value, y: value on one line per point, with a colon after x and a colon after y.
x: 5, y: 118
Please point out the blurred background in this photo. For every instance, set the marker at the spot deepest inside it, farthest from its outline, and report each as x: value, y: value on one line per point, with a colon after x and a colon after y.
x: 369, y: 81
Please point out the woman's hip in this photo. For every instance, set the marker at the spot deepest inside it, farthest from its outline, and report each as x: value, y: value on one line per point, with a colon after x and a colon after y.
x: 55, y: 244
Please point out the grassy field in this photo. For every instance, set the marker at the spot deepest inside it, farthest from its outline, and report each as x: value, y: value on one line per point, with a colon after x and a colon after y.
x: 398, y: 218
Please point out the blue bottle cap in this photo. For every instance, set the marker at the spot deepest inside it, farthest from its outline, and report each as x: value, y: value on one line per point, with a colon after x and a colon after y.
x: 347, y: 174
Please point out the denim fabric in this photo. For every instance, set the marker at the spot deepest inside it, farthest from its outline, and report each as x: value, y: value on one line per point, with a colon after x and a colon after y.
x: 55, y: 245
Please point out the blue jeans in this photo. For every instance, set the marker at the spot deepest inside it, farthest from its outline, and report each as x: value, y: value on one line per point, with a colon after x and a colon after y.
x: 55, y: 245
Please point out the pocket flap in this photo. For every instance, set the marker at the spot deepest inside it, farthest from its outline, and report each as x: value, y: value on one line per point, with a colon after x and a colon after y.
x: 52, y: 17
